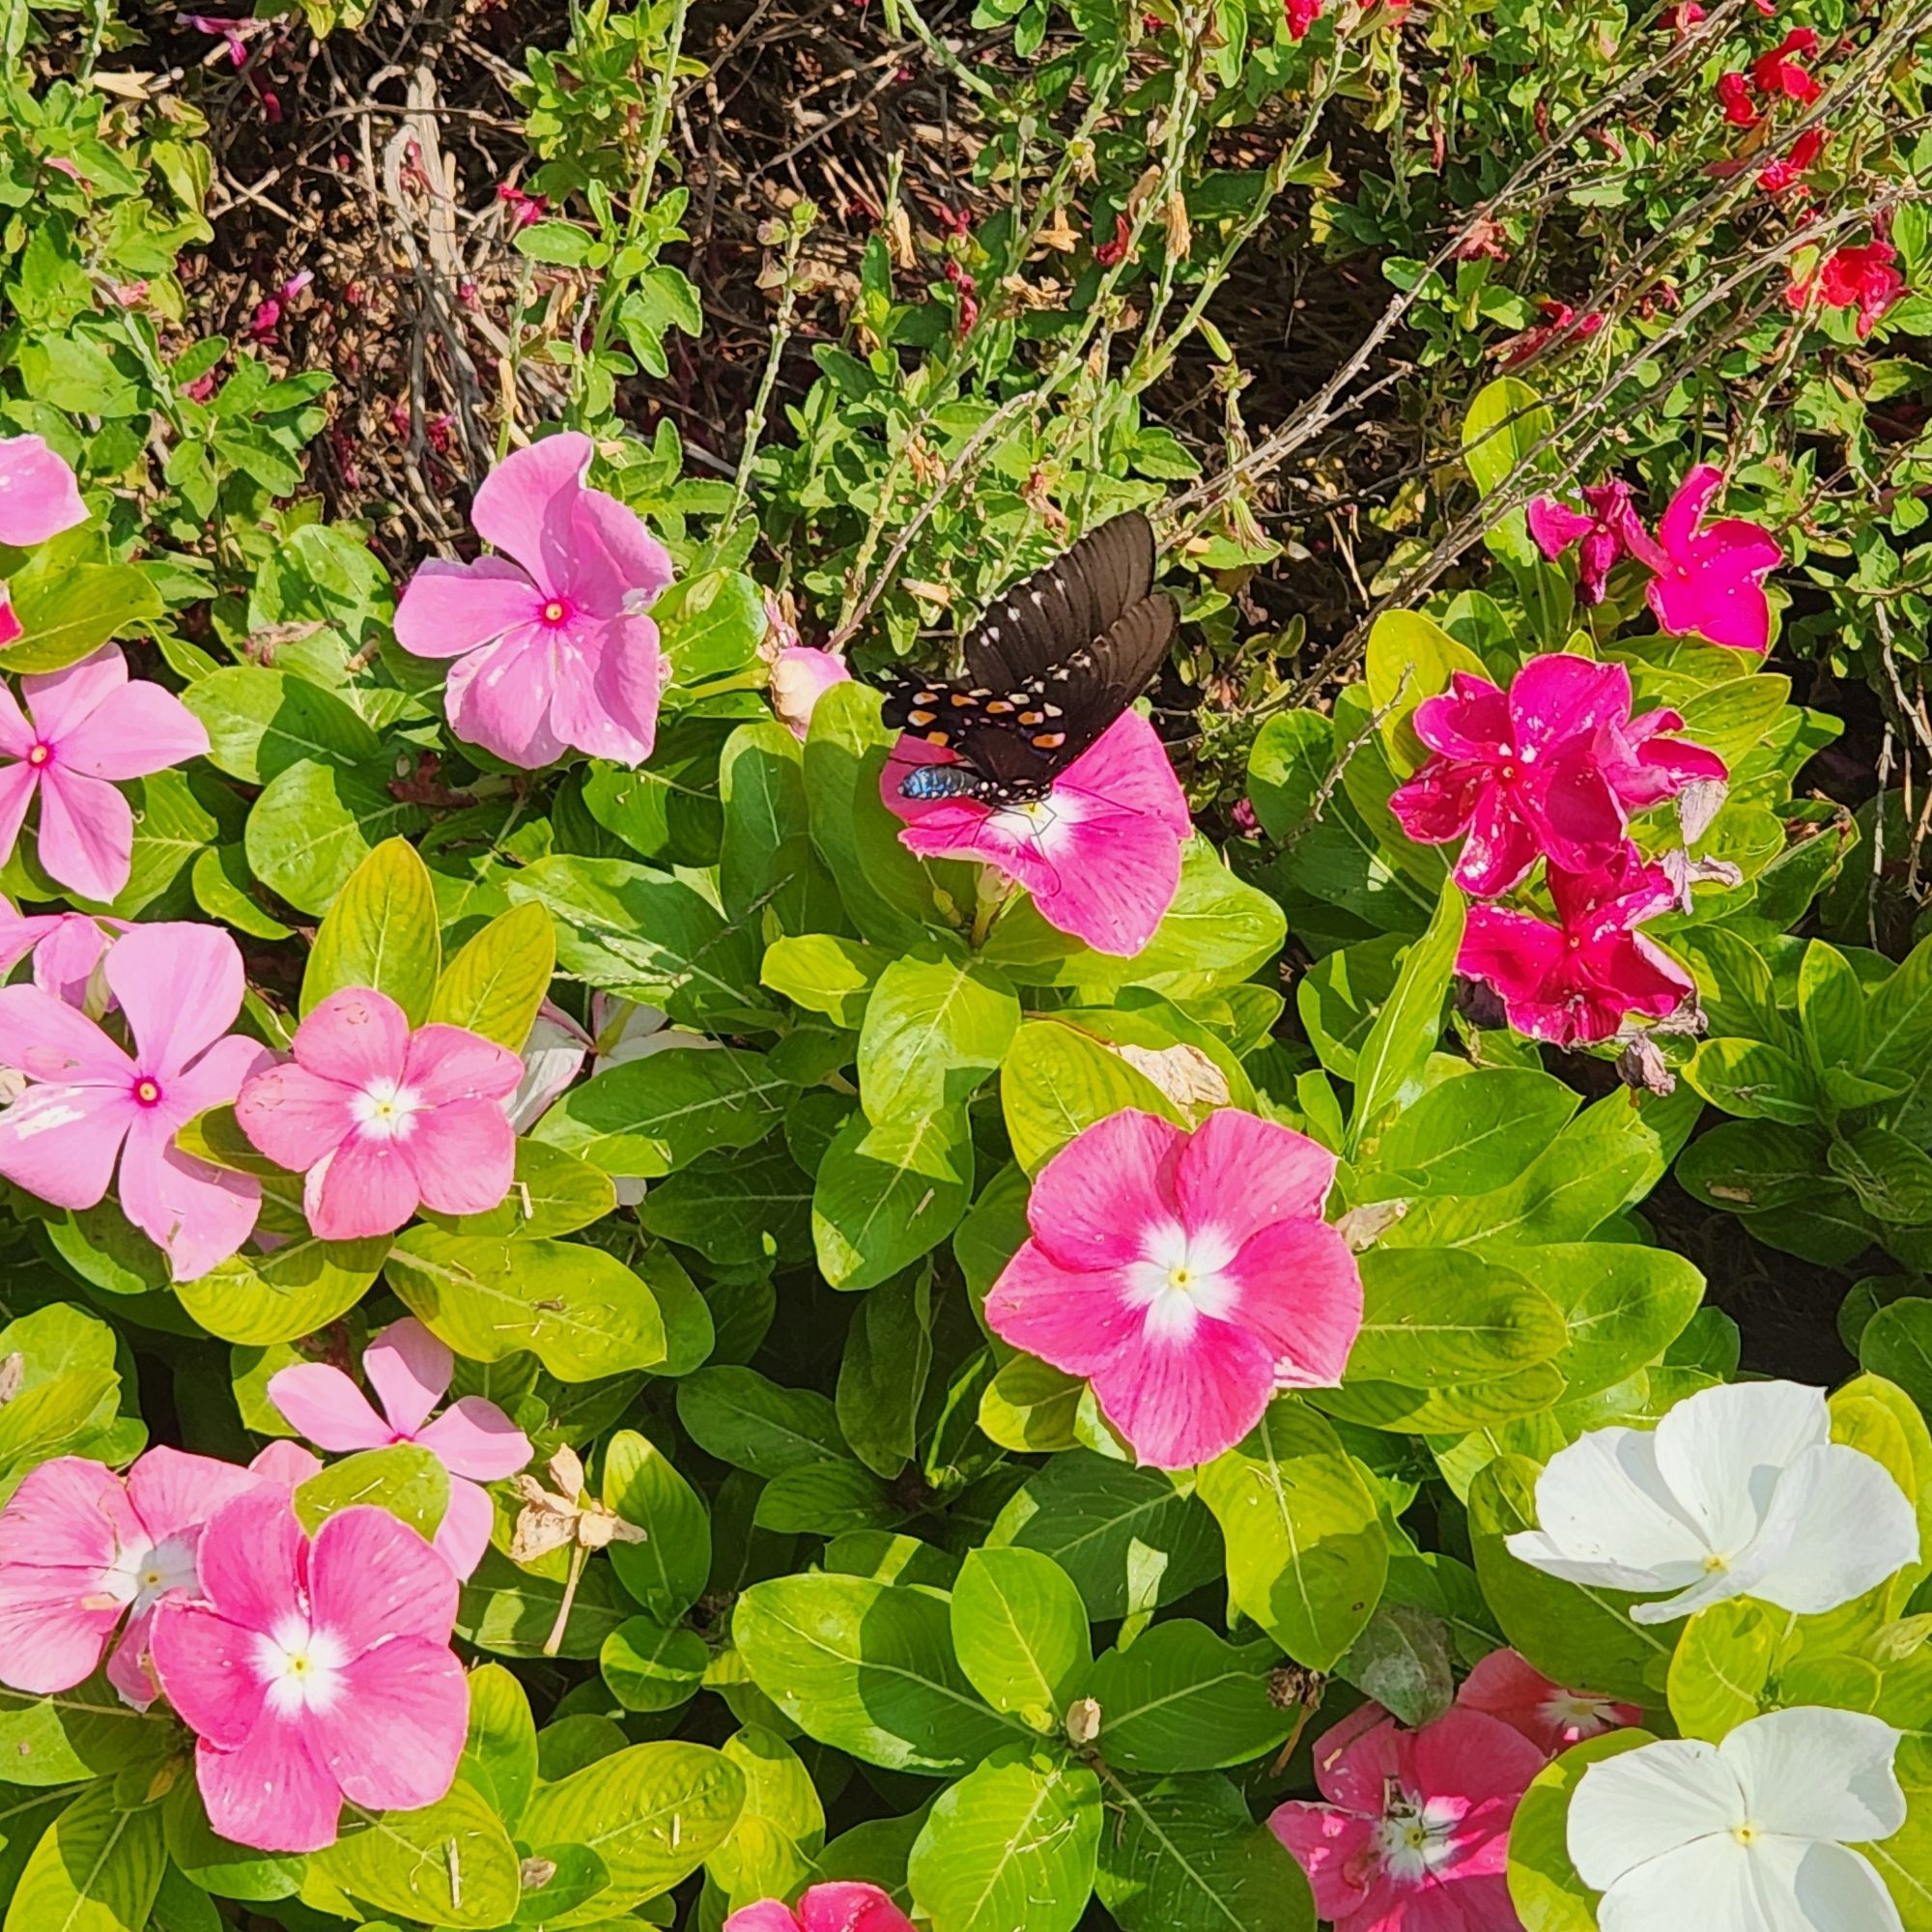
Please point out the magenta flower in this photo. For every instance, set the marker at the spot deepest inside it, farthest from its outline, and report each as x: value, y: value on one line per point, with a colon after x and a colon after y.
x: 1414, y: 1836
x: 1601, y: 534
x: 411, y: 1371
x: 800, y: 677
x: 1708, y: 583
x: 81, y: 1549
x: 65, y: 946
x: 178, y: 987
x: 11, y: 630
x: 381, y: 1119
x: 1547, y: 772
x: 313, y: 1672
x: 1576, y: 981
x: 39, y: 496
x: 555, y: 649
x: 1187, y: 1276
x: 1505, y: 1686
x: 1100, y: 853
x: 845, y: 1905
x: 84, y: 728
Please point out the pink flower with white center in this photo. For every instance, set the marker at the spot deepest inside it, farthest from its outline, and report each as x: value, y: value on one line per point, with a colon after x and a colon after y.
x: 381, y: 1119
x: 65, y: 948
x: 85, y: 727
x: 1504, y: 1685
x: 313, y: 1672
x: 1576, y: 981
x: 1100, y: 853
x: 38, y: 495
x: 81, y: 1549
x: 845, y: 1906
x: 411, y: 1371
x: 800, y: 677
x: 179, y: 985
x: 1187, y: 1276
x: 1708, y: 583
x: 1600, y: 535
x: 1547, y: 772
x: 556, y: 650
x: 1414, y: 1836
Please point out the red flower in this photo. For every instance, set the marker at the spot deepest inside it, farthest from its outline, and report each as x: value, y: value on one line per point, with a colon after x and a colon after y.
x: 1733, y: 92
x: 1560, y: 322
x: 1301, y: 16
x: 1682, y: 18
x: 1775, y: 177
x: 1110, y: 253
x: 1861, y: 278
x: 1779, y: 71
x: 1599, y: 532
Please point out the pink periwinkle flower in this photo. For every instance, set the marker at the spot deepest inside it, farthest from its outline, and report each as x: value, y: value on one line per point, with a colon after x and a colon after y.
x: 844, y: 1906
x: 180, y: 987
x: 411, y: 1371
x: 85, y: 727
x: 1576, y: 981
x: 1189, y: 1276
x: 38, y: 495
x: 1708, y: 583
x: 1547, y: 772
x: 800, y: 677
x: 1414, y: 1832
x: 1100, y: 853
x: 383, y: 1121
x: 1866, y: 280
x: 11, y: 630
x: 82, y: 1549
x: 1600, y: 534
x: 1507, y: 1685
x: 65, y: 948
x: 313, y: 1672
x: 553, y: 644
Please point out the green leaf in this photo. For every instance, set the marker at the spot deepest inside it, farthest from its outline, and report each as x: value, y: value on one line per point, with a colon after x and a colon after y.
x: 78, y: 1734
x: 513, y: 1611
x: 1544, y: 1887
x: 1624, y: 1305
x: 886, y: 1195
x: 1019, y: 1631
x: 70, y: 613
x: 1342, y: 995
x: 869, y: 1669
x: 766, y: 857
x: 1504, y: 423
x: 258, y: 1300
x: 216, y: 1864
x: 1409, y: 658
x: 652, y: 1666
x: 380, y: 932
x: 825, y: 973
x: 581, y: 1311
x: 1832, y: 1002
x: 1757, y: 1080
x: 1029, y: 1407
x: 260, y: 722
x: 711, y: 624
x: 1288, y: 764
x: 451, y: 1862
x: 1059, y: 1081
x: 1442, y: 1316
x: 1013, y: 1843
x: 1306, y: 1553
x: 96, y: 1869
x: 883, y: 1374
x: 1388, y: 1068
x: 501, y: 1753
x: 748, y: 1420
x: 735, y: 1209
x: 1468, y: 1135
x: 1891, y: 1177
x: 1184, y: 1856
x: 550, y: 1193
x: 496, y: 983
x: 315, y: 823
x: 1402, y: 1661
x: 1183, y: 1698
x: 410, y: 1483
x: 650, y: 1117
x: 1722, y: 1670
x: 935, y: 1027
x: 667, y: 1572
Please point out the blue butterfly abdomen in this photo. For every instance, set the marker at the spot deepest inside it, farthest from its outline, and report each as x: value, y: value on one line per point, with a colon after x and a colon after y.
x: 929, y: 782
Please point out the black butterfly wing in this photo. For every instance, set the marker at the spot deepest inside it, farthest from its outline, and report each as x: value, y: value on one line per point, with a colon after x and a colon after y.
x: 1086, y: 693
x: 1063, y: 606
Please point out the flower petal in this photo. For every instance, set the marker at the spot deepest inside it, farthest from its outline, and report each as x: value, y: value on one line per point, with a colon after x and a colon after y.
x: 1301, y: 1292
x: 180, y: 984
x: 38, y: 495
x: 847, y: 1906
x: 197, y: 1213
x: 1513, y: 951
x: 1721, y: 1451
x: 411, y: 1371
x: 1334, y: 1848
x: 61, y: 1530
x: 60, y: 1141
x: 87, y: 834
x: 293, y: 1116
x: 1502, y: 848
x: 616, y: 563
x: 321, y: 1403
x: 1182, y: 1399
x: 1678, y: 525
x: 365, y: 1187
x: 61, y: 701
x: 451, y: 608
x: 357, y: 1037
x: 173, y: 1491
x: 1608, y: 1516
x: 1774, y: 1885
x: 1483, y: 1765
x: 206, y: 1664
x: 1557, y: 697
x: 139, y: 730
x: 372, y: 1578
x: 1838, y: 1525
x: 450, y: 1063
x: 393, y: 1738
x: 271, y: 1792
x: 48, y: 1039
x: 1239, y: 1174
x: 500, y: 698
x: 251, y: 1559
x: 524, y: 506
x: 18, y: 785
x: 464, y: 1533
x: 1644, y: 1803
x: 630, y: 680
x: 1555, y: 526
x: 1077, y: 1320
x: 1470, y: 722
x: 473, y: 1437
x: 463, y: 1154
x: 1817, y: 1773
x: 1093, y: 1203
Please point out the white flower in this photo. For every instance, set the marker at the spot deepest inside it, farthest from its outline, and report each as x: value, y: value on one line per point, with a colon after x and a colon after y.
x: 553, y: 1056
x: 1739, y: 1492
x: 1749, y: 1835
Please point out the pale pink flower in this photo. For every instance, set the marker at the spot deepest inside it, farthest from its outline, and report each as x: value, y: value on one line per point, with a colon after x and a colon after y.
x: 553, y: 1054
x: 411, y: 1371
x: 313, y: 1672
x: 1576, y: 981
x: 38, y: 495
x: 81, y: 1549
x: 1100, y: 853
x: 1600, y: 534
x: 84, y: 728
x: 1505, y: 1684
x: 178, y: 987
x: 1414, y: 1836
x: 845, y: 1906
x: 800, y: 677
x: 66, y: 946
x: 556, y: 648
x: 381, y: 1119
x: 1187, y: 1276
x: 1708, y: 583
x: 1549, y: 771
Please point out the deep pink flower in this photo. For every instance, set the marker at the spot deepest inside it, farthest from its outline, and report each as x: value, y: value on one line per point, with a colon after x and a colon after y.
x: 525, y: 209
x: 1734, y: 92
x: 85, y: 727
x: 1560, y: 323
x: 1414, y: 1836
x: 1781, y: 70
x: 39, y: 496
x: 1549, y: 771
x: 1682, y: 17
x: 845, y: 1905
x: 1506, y: 1685
x: 1100, y: 853
x: 555, y: 649
x: 1187, y: 1276
x: 1866, y: 279
x: 382, y: 1120
x: 178, y: 987
x: 11, y: 630
x: 1778, y: 176
x: 66, y: 946
x: 1599, y: 533
x: 1301, y: 16
x: 1708, y: 583
x: 1577, y: 980
x: 800, y: 677
x: 411, y: 1371
x: 81, y: 1547
x: 311, y: 1672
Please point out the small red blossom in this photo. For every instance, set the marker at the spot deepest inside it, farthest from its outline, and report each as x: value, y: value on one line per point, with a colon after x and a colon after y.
x: 1861, y: 278
x: 1482, y: 240
x: 1789, y: 170
x: 1780, y: 71
x: 525, y: 209
x: 1110, y: 253
x: 1680, y: 19
x: 1599, y: 533
x: 1734, y: 94
x: 967, y: 294
x: 1560, y: 323
x: 1301, y: 16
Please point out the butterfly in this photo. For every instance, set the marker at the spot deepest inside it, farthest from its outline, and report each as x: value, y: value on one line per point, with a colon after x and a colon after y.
x: 1055, y: 661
